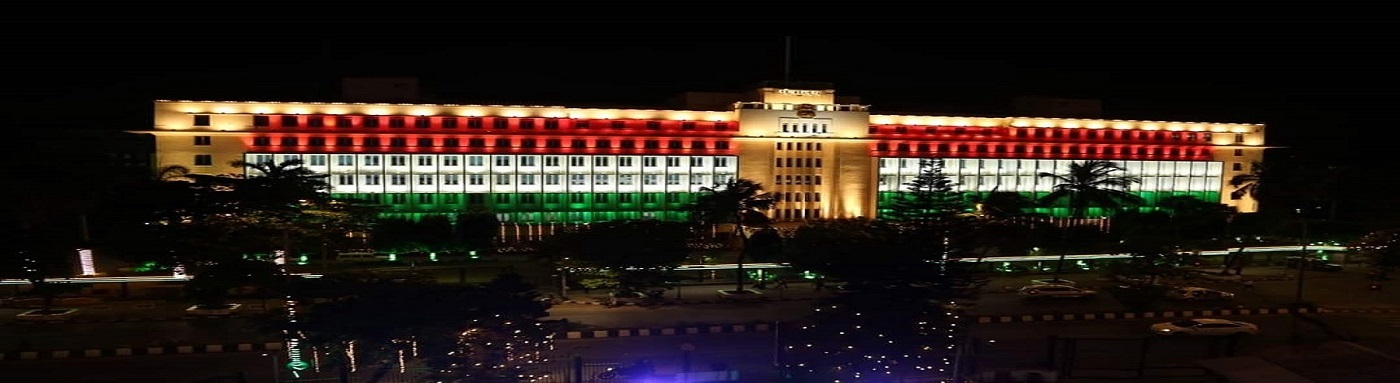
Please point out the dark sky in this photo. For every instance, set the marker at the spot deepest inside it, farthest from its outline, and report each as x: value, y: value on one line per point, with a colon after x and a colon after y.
x: 1319, y: 87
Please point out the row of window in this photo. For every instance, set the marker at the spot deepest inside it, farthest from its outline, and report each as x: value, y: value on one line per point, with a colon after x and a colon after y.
x: 797, y: 197
x: 968, y: 166
x: 400, y: 142
x: 522, y: 198
x: 1044, y: 149
x: 797, y: 162
x: 449, y: 160
x: 797, y: 146
x: 788, y: 179
x: 522, y: 179
x: 1052, y: 133
x: 425, y: 122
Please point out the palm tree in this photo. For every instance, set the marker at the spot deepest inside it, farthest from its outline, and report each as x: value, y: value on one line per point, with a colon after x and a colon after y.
x: 740, y: 202
x: 287, y: 183
x: 1002, y: 205
x: 1092, y: 183
x: 1250, y: 184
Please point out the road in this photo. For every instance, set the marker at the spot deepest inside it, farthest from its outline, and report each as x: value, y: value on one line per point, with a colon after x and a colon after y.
x: 77, y: 336
x: 1001, y: 346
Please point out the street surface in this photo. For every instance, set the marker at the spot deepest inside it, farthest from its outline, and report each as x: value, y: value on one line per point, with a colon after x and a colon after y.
x: 1001, y: 346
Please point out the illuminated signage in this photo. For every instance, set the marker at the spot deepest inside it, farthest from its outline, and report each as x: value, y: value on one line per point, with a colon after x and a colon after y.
x: 85, y: 260
x: 799, y: 92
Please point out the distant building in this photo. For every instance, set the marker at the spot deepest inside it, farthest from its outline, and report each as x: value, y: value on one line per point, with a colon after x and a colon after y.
x: 381, y: 89
x: 822, y: 155
x: 1057, y: 107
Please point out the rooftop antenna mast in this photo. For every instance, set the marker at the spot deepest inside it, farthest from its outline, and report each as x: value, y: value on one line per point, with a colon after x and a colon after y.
x: 787, y: 59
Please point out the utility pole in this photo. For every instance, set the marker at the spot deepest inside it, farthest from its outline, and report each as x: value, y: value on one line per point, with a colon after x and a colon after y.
x: 1303, y: 263
x: 787, y: 60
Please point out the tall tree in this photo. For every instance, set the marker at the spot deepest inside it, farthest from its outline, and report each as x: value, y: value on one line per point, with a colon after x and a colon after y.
x: 477, y: 228
x: 929, y: 196
x: 738, y: 201
x: 1002, y: 205
x: 1093, y: 183
x: 1255, y: 184
x: 639, y: 254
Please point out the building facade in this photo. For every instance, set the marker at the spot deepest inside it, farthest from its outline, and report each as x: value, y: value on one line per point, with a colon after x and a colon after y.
x: 553, y: 164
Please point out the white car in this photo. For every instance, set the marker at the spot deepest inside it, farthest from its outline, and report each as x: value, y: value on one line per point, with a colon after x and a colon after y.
x: 1199, y: 294
x: 1205, y: 327
x: 1052, y: 281
x: 1055, y: 291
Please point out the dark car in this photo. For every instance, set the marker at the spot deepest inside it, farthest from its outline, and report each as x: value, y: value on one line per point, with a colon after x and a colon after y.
x: 1313, y: 264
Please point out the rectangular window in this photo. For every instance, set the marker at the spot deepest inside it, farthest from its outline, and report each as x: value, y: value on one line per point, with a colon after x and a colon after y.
x: 476, y: 160
x: 344, y: 160
x: 316, y: 141
x: 425, y: 142
x: 577, y: 161
x: 289, y: 121
x: 551, y: 161
x: 650, y: 179
x: 474, y: 123
x: 649, y: 161
x: 317, y: 160
x: 503, y: 179
x: 502, y: 160
x: 451, y: 179
x: 203, y: 140
x: 398, y: 142
x: 316, y: 121
x: 527, y: 161
x: 425, y: 160
x: 600, y: 161
x: 398, y: 160
x: 422, y: 122
x: 372, y: 179
x: 577, y: 179
x: 476, y: 179
x: 527, y: 179
x: 398, y: 179
x: 344, y: 141
x: 1239, y: 152
x: 673, y: 161
x: 696, y: 162
x: 396, y: 122
x: 345, y: 179
x: 371, y: 121
x: 203, y: 160
x: 425, y: 179
x: 673, y: 179
x: 601, y: 179
x: 451, y: 142
x: 449, y: 123
x: 261, y: 121
x: 551, y: 179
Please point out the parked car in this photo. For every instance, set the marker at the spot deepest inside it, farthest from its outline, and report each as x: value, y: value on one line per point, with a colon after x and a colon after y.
x: 1055, y: 291
x: 1205, y: 327
x: 1313, y: 264
x: 1198, y: 294
x: 1052, y: 281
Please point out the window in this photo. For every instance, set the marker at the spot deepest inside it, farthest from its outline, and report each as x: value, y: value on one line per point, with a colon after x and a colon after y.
x: 624, y: 162
x: 451, y: 179
x: 371, y: 122
x: 697, y: 179
x: 289, y: 121
x: 650, y: 179
x: 654, y: 125
x: 527, y: 179
x: 203, y: 140
x: 345, y: 179
x: 603, y: 144
x: 476, y: 179
x: 577, y: 161
x: 577, y: 179
x: 398, y: 142
x: 372, y: 179
x: 289, y: 141
x: 502, y: 160
x: 425, y: 198
x: 1237, y: 166
x: 527, y: 143
x: 316, y: 121
x: 527, y: 198
x: 527, y: 123
x: 476, y: 160
x: 396, y: 122
x: 425, y: 142
x: 425, y: 179
x: 344, y: 141
x: 601, y: 179
x: 201, y: 120
x: 476, y: 142
x: 722, y: 145
x: 649, y: 161
x: 619, y: 124
x: 552, y: 143
x: 551, y: 124
x: 344, y: 160
x: 1239, y: 152
x: 629, y: 144
x: 398, y: 179
x: 1239, y: 138
x: 344, y: 122
x: 370, y: 141
x: 316, y: 141
x: 696, y: 162
x: 500, y: 123
x: 652, y: 144
x: 673, y: 161
x: 422, y: 122
x: 503, y: 179
x: 551, y: 179
x: 503, y: 142
x: 626, y: 179
x: 600, y: 161
x: 600, y: 198
x: 208, y: 160
x: 673, y: 179
x: 527, y: 161
x: 551, y: 161
x: 451, y: 142
x: 398, y: 160
x: 697, y: 144
x: 262, y: 121
x: 425, y: 160
x: 317, y: 160
x: 449, y: 123
x: 474, y: 123
x: 722, y: 162
x: 578, y: 143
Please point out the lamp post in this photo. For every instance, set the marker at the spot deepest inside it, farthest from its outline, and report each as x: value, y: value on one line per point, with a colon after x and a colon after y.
x: 1303, y: 263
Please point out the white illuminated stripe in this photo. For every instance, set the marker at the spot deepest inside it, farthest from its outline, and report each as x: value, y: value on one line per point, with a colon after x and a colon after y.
x: 85, y: 260
x: 163, y: 278
x: 1261, y: 249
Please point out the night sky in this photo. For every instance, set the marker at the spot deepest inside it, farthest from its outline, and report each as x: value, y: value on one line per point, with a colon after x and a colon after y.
x: 1317, y: 87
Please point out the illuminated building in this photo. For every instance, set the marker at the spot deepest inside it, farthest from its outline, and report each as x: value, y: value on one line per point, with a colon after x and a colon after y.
x: 822, y: 158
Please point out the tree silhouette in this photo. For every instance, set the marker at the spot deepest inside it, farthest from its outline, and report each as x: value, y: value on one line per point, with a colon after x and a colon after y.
x: 740, y: 202
x: 1092, y: 183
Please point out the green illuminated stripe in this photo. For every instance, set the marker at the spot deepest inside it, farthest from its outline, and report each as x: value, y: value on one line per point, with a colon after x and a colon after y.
x: 886, y: 201
x: 536, y: 207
